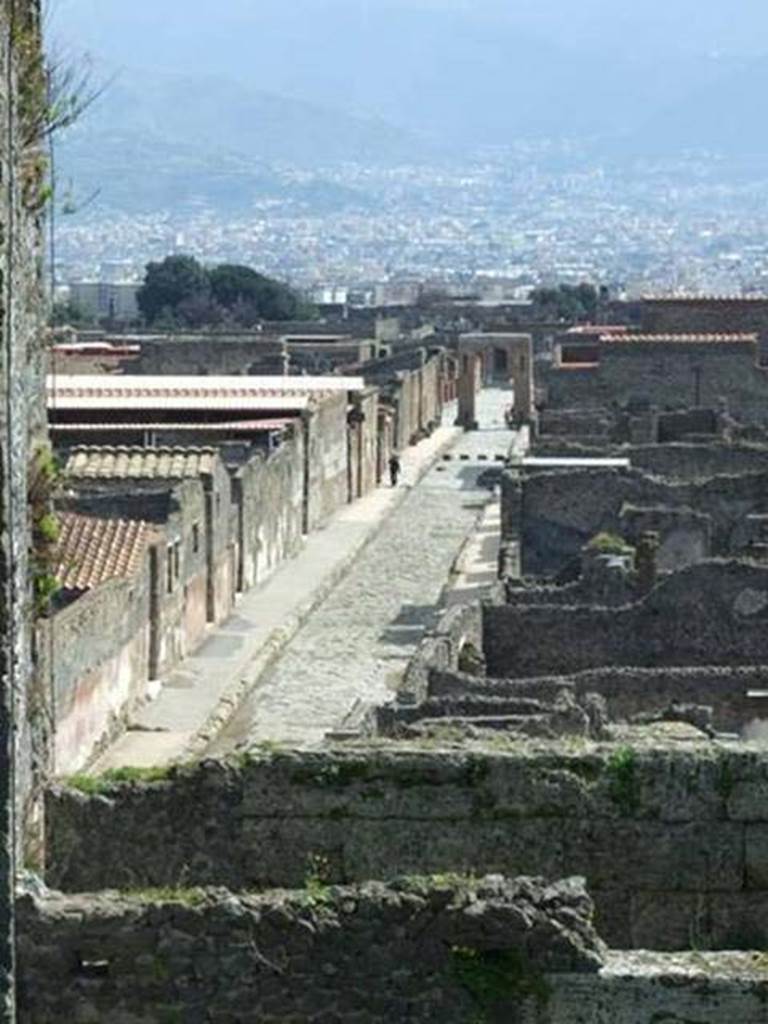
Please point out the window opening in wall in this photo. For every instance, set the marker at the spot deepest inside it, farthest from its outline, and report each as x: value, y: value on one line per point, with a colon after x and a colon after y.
x: 177, y: 560
x: 169, y: 568
x: 196, y: 538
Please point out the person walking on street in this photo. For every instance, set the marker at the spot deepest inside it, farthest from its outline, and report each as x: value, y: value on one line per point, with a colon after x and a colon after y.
x: 394, y: 468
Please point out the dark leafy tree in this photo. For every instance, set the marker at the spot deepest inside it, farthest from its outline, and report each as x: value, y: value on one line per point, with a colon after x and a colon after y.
x: 69, y: 314
x: 567, y: 302
x: 181, y: 292
x: 169, y: 284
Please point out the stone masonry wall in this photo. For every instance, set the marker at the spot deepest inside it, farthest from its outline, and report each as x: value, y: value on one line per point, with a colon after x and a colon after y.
x: 327, y: 454
x: 23, y: 316
x: 269, y: 495
x: 666, y: 375
x: 418, y: 950
x: 713, y: 613
x: 95, y: 656
x: 554, y: 514
x: 673, y: 842
x: 626, y: 691
x: 674, y: 461
x: 224, y: 355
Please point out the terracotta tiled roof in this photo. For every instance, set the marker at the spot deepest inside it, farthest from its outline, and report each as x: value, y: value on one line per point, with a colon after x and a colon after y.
x: 110, y: 463
x: 92, y: 550
x: 678, y: 339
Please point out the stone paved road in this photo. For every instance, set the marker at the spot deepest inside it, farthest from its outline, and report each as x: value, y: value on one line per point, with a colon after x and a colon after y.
x: 358, y: 642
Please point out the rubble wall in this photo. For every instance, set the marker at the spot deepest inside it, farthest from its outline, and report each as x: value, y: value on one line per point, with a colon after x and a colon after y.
x: 713, y: 613
x: 627, y: 691
x: 425, y: 950
x: 556, y: 513
x: 673, y: 842
x: 269, y: 496
x: 408, y: 951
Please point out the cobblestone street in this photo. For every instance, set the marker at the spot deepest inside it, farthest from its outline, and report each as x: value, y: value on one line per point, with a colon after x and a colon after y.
x: 357, y: 643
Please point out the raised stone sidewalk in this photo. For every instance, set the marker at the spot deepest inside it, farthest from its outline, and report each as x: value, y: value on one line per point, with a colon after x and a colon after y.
x: 206, y: 687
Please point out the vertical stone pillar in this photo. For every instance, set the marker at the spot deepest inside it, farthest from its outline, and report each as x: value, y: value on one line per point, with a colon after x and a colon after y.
x: 520, y: 357
x: 467, y: 411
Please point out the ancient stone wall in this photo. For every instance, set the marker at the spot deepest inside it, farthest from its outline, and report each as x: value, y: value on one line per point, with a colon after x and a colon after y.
x: 417, y: 950
x: 704, y: 315
x: 713, y: 613
x: 326, y: 454
x: 424, y: 950
x: 672, y: 841
x: 730, y: 692
x: 269, y: 496
x: 211, y: 355
x: 441, y: 649
x: 363, y: 440
x: 23, y: 315
x: 94, y: 657
x: 555, y: 513
x: 674, y: 461
x: 668, y: 376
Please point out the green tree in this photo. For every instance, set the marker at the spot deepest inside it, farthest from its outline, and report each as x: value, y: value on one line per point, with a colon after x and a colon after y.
x: 250, y: 296
x: 567, y: 302
x: 69, y: 314
x: 171, y: 283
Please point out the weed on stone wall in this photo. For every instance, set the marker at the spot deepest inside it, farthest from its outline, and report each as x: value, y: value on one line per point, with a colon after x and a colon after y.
x: 317, y: 892
x: 725, y: 781
x: 97, y: 784
x: 623, y: 783
x: 498, y: 982
x: 44, y: 534
x: 188, y: 897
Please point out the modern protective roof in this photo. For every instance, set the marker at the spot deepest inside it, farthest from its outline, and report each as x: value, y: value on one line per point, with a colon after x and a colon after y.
x: 678, y: 339
x: 92, y: 550
x: 250, y: 426
x: 117, y: 463
x: 704, y: 298
x: 73, y: 391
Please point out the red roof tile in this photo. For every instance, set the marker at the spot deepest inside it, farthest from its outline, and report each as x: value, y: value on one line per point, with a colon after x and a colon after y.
x: 92, y: 550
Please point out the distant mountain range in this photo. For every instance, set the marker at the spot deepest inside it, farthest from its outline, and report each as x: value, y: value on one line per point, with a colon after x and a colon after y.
x: 161, y: 141
x: 252, y: 88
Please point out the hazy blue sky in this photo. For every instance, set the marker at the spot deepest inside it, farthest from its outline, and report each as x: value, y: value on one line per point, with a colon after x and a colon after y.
x: 473, y: 69
x: 664, y: 25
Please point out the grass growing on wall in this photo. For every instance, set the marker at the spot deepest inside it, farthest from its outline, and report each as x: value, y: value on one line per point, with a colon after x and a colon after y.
x: 94, y: 784
x: 623, y: 782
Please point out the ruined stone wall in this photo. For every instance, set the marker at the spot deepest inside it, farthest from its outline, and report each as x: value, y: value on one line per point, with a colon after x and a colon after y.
x: 269, y: 495
x: 363, y: 441
x: 441, y: 648
x: 626, y: 691
x: 672, y: 841
x: 429, y: 950
x: 704, y: 316
x: 676, y: 461
x: 328, y: 474
x: 23, y: 315
x: 403, y: 952
x: 94, y: 658
x: 210, y: 355
x: 555, y: 513
x: 713, y: 613
x: 668, y: 376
